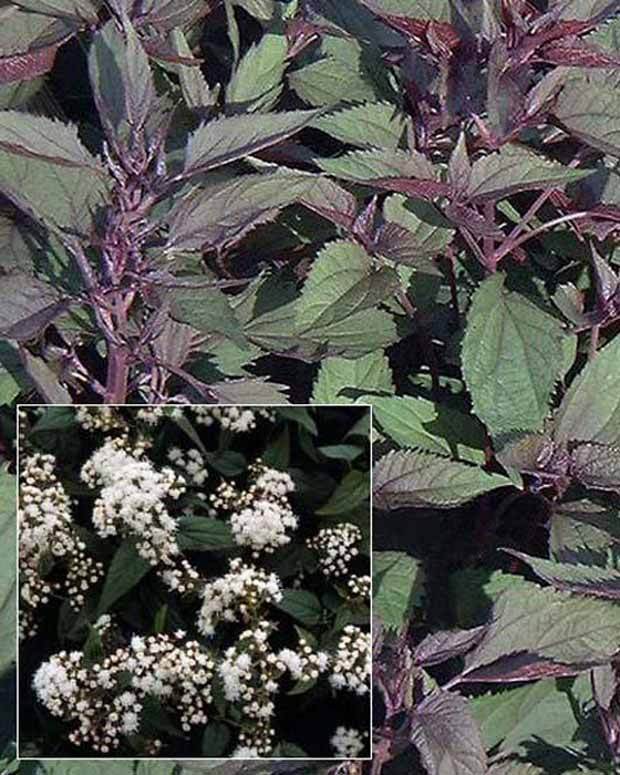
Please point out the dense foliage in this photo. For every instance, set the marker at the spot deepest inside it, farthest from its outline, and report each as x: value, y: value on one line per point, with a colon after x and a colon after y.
x: 413, y: 203
x: 194, y: 582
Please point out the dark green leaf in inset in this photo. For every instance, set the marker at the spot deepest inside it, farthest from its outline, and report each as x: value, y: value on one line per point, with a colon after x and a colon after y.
x: 204, y: 534
x: 301, y: 605
x: 126, y: 570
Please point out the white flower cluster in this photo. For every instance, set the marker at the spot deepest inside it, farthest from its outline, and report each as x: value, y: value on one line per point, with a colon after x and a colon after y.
x: 133, y: 499
x: 151, y: 415
x: 348, y: 742
x: 192, y: 463
x: 46, y: 531
x: 232, y: 418
x: 105, y: 699
x: 239, y: 594
x: 336, y: 547
x: 351, y: 666
x: 261, y: 514
x: 303, y: 665
x: 99, y: 418
x: 359, y: 587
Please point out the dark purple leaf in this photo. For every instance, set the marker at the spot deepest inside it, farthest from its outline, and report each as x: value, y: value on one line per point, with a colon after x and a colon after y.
x: 440, y: 646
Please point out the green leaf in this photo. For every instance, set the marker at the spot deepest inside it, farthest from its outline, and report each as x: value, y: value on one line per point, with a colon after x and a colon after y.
x: 301, y: 416
x: 341, y: 284
x: 216, y: 739
x: 208, y: 310
x: 204, y: 534
x: 44, y: 138
x: 301, y: 605
x: 8, y: 524
x: 447, y: 736
x: 227, y: 139
x: 574, y: 577
x: 80, y: 10
x: 510, y: 721
x: 512, y: 356
x: 547, y: 624
x: 416, y: 480
x: 221, y: 214
x: 590, y: 112
x: 366, y: 166
x: 590, y: 409
x: 196, y: 91
x: 121, y: 78
x: 429, y: 230
x: 370, y: 373
x: 515, y: 168
x: 13, y: 377
x: 352, y: 491
x: 257, y: 83
x: 424, y: 425
x: 126, y: 569
x: 371, y: 125
x: 29, y: 307
x: 584, y: 532
x: 61, y: 198
x: 398, y: 585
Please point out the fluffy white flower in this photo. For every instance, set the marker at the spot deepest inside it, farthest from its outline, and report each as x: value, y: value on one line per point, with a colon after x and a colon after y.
x: 347, y: 742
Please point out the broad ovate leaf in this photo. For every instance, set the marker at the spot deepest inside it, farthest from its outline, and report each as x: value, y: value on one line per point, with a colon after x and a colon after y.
x: 512, y: 356
x: 447, y: 736
x: 8, y: 572
x: 516, y: 168
x: 339, y: 376
x: 398, y: 581
x: 590, y: 410
x: 343, y: 282
x: 406, y: 478
x: 29, y: 306
x: 257, y: 82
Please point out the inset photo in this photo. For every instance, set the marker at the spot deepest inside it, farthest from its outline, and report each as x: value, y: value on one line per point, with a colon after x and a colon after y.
x: 194, y: 581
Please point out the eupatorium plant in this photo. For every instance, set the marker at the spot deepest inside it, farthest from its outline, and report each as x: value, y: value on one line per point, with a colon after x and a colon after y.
x: 180, y: 602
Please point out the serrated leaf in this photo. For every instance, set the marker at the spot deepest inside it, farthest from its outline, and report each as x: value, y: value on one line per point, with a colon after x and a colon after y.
x: 221, y: 214
x: 230, y: 138
x: 596, y: 466
x: 584, y: 532
x: 256, y: 83
x: 446, y: 644
x: 430, y: 233
x: 126, y: 569
x: 44, y: 138
x: 424, y: 425
x: 407, y: 479
x: 61, y: 198
x: 398, y: 582
x: 513, y: 169
x: 590, y: 409
x: 204, y: 534
x: 196, y: 90
x: 511, y: 720
x: 208, y: 310
x: 342, y: 283
x: 545, y: 624
x: 365, y: 166
x: 512, y: 356
x: 590, y: 112
x: 216, y: 738
x: 121, y: 78
x: 574, y: 577
x: 370, y: 125
x: 301, y: 605
x: 30, y: 306
x: 447, y: 736
x: 370, y: 373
